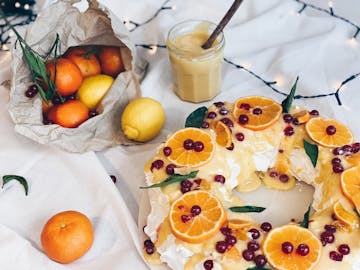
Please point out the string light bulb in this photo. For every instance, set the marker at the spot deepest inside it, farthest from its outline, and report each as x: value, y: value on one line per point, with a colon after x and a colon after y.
x: 331, y: 4
x: 152, y: 50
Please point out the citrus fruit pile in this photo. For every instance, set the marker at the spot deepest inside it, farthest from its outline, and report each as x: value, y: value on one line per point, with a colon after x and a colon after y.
x: 82, y: 76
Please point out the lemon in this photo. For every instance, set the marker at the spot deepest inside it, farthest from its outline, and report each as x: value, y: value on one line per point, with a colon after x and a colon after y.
x: 93, y: 89
x: 142, y: 119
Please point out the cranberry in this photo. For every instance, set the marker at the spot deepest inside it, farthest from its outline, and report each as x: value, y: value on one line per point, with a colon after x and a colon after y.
x: 266, y: 226
x: 170, y: 169
x: 303, y: 249
x: 47, y: 121
x: 186, y: 183
x: 150, y: 250
x: 219, y: 178
x: 281, y: 151
x: 330, y: 228
x: 240, y: 136
x: 224, y: 111
x: 336, y: 161
x: 347, y: 148
x: 253, y: 246
x: 330, y: 130
x: 167, y: 151
x: 255, y: 234
x: 230, y: 240
x: 198, y: 146
x: 260, y: 260
x: 56, y: 100
x: 227, y: 121
x: 195, y: 210
x: 221, y: 246
x: 355, y: 147
x: 211, y: 115
x: 31, y: 91
x: 287, y: 247
x: 231, y: 147
x: 92, y: 114
x: 245, y: 106
x: 208, y: 265
x: 344, y: 249
x: 248, y: 255
x: 289, y: 131
x: 327, y: 237
x: 113, y: 178
x: 148, y: 243
x: 71, y: 97
x: 314, y: 113
x: 188, y: 144
x: 335, y: 256
x: 157, y: 164
x: 333, y: 216
x: 219, y: 104
x: 338, y: 168
x: 296, y: 122
x: 273, y: 174
x: 287, y: 118
x: 243, y: 119
x: 338, y: 151
x: 226, y: 231
x: 185, y: 189
x: 185, y: 218
x: 205, y: 124
x: 284, y: 178
x: 197, y: 181
x: 257, y: 111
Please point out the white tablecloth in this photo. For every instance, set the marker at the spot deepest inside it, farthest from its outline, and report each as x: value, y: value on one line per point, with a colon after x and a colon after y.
x: 265, y: 36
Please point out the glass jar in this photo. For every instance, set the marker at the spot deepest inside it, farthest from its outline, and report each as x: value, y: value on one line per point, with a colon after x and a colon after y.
x: 196, y: 72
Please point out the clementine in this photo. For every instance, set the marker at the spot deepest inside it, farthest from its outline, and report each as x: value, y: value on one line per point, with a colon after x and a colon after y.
x: 85, y: 59
x: 111, y: 61
x: 68, y: 75
x: 69, y: 114
x: 67, y: 236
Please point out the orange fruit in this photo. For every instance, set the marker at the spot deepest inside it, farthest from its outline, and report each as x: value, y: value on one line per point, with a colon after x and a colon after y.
x: 350, y: 185
x: 85, y: 60
x: 223, y: 134
x: 302, y: 116
x: 196, y: 216
x: 190, y: 147
x: 111, y: 61
x: 69, y: 114
x: 345, y: 216
x: 256, y: 112
x: 68, y: 75
x: 67, y: 236
x: 328, y: 132
x: 296, y: 235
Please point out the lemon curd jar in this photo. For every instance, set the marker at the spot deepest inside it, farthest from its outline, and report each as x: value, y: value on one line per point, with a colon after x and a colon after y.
x: 196, y: 71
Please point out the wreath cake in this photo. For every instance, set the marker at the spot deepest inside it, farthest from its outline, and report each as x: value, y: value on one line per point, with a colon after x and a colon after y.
x: 197, y: 223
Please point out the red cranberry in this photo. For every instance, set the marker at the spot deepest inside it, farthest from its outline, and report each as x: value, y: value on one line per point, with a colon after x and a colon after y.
x: 219, y: 104
x: 333, y: 216
x: 327, y: 237
x: 284, y: 178
x: 289, y: 131
x: 287, y: 118
x: 92, y: 113
x: 243, y: 119
x: 170, y: 169
x: 167, y: 151
x: 197, y: 181
x: 230, y: 240
x: 223, y: 111
x: 186, y: 183
x: 257, y: 111
x: 287, y: 247
x: 255, y: 234
x: 245, y: 106
x: 208, y: 265
x: 273, y: 174
x: 336, y: 161
x: 303, y: 249
x: 195, y: 210
x: 314, y: 113
x: 330, y: 130
x: 335, y: 256
x: 113, y: 178
x: 150, y: 250
x: 231, y: 147
x: 296, y: 122
x: 281, y: 151
x: 266, y: 226
x: 240, y: 136
x: 71, y: 97
x: 205, y: 125
x: 148, y: 243
x: 185, y: 189
x: 260, y: 260
x: 330, y: 228
x: 347, y: 148
x: 185, y: 218
x: 56, y: 100
x: 157, y: 164
x: 219, y: 178
x: 355, y: 147
x: 344, y: 249
x: 31, y: 91
x: 338, y: 151
x: 221, y: 246
x: 198, y: 146
x: 248, y: 255
x: 188, y: 144
x: 211, y: 115
x: 338, y: 168
x: 253, y: 246
x: 227, y: 121
x: 226, y: 231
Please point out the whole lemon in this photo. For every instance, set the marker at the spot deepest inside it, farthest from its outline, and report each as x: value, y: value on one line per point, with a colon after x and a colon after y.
x: 93, y: 89
x: 142, y: 119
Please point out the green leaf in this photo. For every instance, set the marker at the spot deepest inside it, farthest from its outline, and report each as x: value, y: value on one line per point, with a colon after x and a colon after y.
x: 257, y: 268
x: 312, y: 150
x: 246, y: 209
x: 173, y: 179
x: 22, y: 180
x: 305, y: 222
x: 287, y: 102
x: 356, y: 211
x: 196, y: 118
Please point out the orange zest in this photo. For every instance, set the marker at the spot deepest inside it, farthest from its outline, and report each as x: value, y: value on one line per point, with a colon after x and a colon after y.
x: 345, y: 216
x: 196, y: 227
x: 350, y: 185
x: 223, y: 134
x: 256, y: 112
x: 328, y: 132
x: 184, y: 150
x: 296, y: 235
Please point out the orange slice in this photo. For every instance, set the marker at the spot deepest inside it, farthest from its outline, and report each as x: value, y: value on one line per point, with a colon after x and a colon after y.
x: 296, y: 235
x: 260, y: 112
x: 328, y: 132
x: 302, y: 116
x: 196, y: 216
x: 223, y: 134
x: 345, y: 216
x: 350, y: 185
x: 190, y: 147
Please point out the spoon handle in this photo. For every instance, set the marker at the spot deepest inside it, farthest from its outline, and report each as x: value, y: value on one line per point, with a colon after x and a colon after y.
x: 222, y: 24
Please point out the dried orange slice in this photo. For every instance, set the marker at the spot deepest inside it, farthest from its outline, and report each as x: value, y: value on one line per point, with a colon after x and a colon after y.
x: 223, y: 134
x: 350, y: 185
x: 190, y: 147
x: 196, y: 216
x: 256, y: 112
x: 328, y: 132
x: 345, y: 216
x: 306, y: 250
x: 302, y: 116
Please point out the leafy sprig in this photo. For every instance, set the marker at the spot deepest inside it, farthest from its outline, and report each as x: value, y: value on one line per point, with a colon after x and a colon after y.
x: 305, y: 222
x: 173, y: 179
x: 312, y: 150
x: 247, y: 209
x: 20, y: 179
x: 196, y: 118
x: 287, y: 102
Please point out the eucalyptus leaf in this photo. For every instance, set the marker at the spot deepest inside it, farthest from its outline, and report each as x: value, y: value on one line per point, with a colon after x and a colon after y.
x: 305, y: 222
x: 247, y: 209
x: 20, y: 179
x: 257, y: 268
x: 312, y: 150
x: 173, y: 179
x: 287, y: 102
x: 196, y: 118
